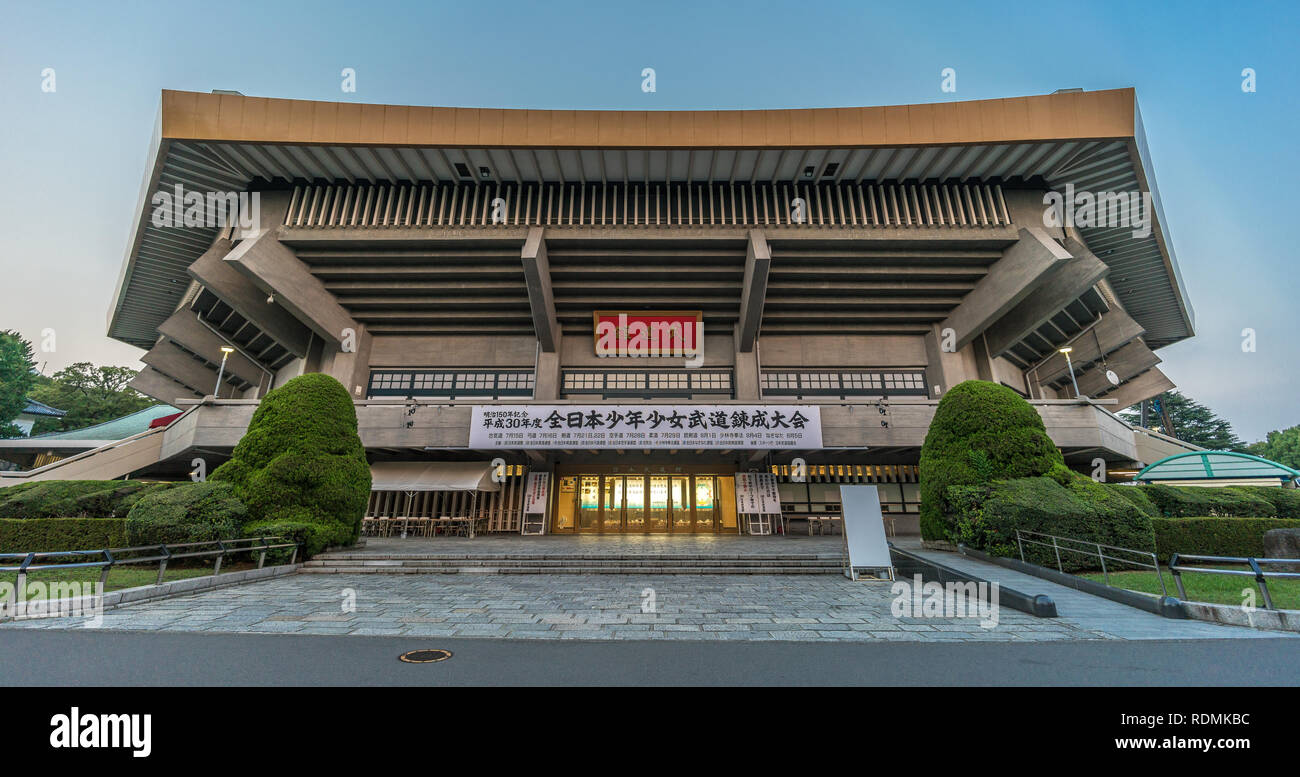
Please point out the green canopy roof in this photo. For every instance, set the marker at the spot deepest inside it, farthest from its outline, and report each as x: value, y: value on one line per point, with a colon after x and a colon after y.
x: 116, y: 429
x: 1214, y: 465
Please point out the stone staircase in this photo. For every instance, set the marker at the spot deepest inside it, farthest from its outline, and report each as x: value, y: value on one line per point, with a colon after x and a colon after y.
x: 351, y: 563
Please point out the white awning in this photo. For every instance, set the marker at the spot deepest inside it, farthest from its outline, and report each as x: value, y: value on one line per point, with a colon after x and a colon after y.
x: 432, y: 476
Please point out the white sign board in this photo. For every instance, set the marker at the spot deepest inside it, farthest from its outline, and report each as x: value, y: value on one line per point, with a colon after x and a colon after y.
x: 602, y: 426
x: 535, y: 493
x: 864, y: 531
x: 756, y: 493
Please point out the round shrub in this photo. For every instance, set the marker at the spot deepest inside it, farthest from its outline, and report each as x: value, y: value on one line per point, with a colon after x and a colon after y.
x: 301, y: 463
x: 191, y: 512
x: 981, y: 432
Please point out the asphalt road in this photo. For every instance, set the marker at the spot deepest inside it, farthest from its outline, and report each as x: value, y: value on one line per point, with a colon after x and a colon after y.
x: 93, y: 658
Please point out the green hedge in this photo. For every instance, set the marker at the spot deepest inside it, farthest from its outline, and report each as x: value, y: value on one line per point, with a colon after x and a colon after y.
x: 1197, y: 501
x: 41, y: 534
x: 987, y: 516
x: 981, y: 432
x: 79, y: 498
x: 193, y: 512
x: 1215, y: 536
x: 1285, y: 501
x: 1137, y: 496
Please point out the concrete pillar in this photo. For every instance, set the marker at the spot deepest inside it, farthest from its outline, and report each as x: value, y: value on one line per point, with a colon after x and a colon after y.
x: 746, y: 373
x: 1149, y: 384
x: 184, y: 327
x: 537, y: 275
x: 1024, y: 266
x: 1113, y: 329
x: 247, y: 300
x: 546, y: 383
x: 758, y: 263
x: 274, y: 269
x: 156, y: 385
x: 171, y: 360
x: 1078, y: 274
x: 1129, y: 361
x: 350, y: 367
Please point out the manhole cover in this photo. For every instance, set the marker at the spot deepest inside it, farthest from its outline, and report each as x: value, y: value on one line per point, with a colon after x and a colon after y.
x: 424, y: 656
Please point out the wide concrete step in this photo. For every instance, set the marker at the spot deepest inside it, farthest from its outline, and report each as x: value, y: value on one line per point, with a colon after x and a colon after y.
x: 569, y: 557
x: 573, y: 569
x: 566, y: 562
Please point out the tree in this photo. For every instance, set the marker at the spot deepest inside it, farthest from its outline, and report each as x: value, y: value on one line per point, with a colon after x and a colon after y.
x: 90, y: 395
x: 981, y: 431
x: 1280, y: 446
x: 17, y: 363
x: 1193, y: 422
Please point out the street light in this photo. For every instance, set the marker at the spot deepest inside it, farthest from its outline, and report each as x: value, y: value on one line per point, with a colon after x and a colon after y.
x: 1066, y: 350
x: 225, y: 352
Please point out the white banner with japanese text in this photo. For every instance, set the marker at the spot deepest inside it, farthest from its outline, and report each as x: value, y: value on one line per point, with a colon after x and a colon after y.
x: 603, y: 426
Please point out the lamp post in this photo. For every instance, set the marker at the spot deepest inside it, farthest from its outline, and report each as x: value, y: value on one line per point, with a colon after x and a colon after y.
x: 225, y: 353
x: 1066, y: 350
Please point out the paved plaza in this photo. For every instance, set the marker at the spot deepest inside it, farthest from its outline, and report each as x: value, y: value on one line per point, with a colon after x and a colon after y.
x: 611, y: 607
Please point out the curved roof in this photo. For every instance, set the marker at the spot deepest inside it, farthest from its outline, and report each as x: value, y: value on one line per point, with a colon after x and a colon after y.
x: 116, y: 429
x: 40, y: 408
x: 1214, y: 465
x: 226, y: 142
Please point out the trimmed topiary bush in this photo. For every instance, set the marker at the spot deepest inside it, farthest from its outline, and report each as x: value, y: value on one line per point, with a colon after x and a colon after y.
x: 301, y: 464
x: 192, y: 512
x: 981, y: 432
x: 47, y: 534
x: 1215, y: 536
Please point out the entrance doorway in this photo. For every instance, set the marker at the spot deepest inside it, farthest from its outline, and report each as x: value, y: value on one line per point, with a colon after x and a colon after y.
x: 640, y: 504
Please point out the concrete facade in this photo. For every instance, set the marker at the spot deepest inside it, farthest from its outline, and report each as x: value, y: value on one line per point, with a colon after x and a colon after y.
x: 865, y: 270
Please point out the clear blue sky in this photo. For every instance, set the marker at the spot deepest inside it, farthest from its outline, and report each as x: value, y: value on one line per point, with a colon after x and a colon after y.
x: 1225, y: 161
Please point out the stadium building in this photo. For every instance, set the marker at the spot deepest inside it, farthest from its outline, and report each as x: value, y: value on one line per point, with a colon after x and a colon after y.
x: 639, y: 306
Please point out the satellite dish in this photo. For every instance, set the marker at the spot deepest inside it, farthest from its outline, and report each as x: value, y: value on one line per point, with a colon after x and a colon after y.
x: 1112, y: 377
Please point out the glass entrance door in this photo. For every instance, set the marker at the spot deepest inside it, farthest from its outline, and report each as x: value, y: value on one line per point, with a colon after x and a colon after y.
x: 635, y: 515
x: 612, y: 504
x: 706, y: 503
x: 636, y: 504
x: 589, y: 504
x: 681, y: 518
x: 658, y: 517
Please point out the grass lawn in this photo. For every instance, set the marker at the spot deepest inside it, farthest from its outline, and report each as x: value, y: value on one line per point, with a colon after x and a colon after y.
x: 128, y: 576
x: 1202, y: 587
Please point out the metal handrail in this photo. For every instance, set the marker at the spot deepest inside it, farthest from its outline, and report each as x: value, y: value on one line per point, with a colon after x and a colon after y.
x: 1255, y: 571
x: 109, y: 557
x: 1023, y: 537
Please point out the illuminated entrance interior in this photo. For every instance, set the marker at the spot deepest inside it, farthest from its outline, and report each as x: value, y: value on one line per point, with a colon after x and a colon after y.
x: 645, y: 504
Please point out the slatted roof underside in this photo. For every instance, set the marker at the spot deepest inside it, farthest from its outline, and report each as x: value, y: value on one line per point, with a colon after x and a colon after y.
x: 157, y: 279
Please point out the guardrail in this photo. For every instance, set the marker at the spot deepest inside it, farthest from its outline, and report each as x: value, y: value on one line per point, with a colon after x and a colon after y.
x: 111, y: 557
x: 1023, y: 537
x: 1255, y: 571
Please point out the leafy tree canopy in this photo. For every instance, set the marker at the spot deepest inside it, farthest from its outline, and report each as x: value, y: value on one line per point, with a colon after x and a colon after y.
x: 1193, y: 422
x: 1281, y: 446
x: 90, y: 395
x: 16, y: 379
